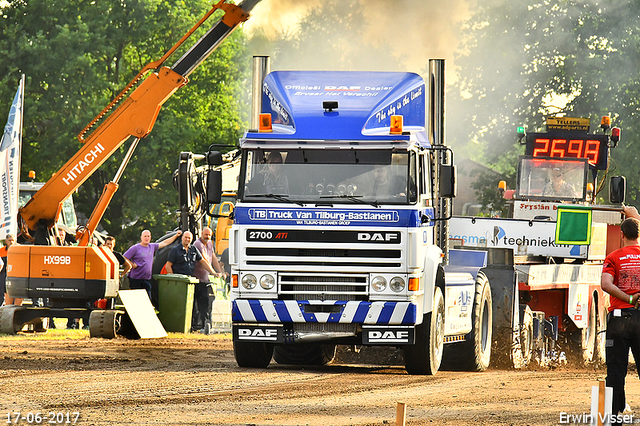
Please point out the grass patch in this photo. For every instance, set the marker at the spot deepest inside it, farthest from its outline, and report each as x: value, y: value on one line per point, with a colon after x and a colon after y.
x: 52, y: 334
x: 61, y: 333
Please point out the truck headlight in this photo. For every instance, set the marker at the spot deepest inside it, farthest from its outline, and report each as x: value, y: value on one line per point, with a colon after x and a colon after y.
x: 249, y: 281
x: 267, y: 282
x: 396, y: 284
x: 379, y: 283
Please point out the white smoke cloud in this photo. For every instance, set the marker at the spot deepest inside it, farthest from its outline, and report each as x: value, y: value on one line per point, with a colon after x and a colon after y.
x: 415, y: 30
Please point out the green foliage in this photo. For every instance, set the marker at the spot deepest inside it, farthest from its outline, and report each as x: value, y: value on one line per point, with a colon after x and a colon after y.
x: 486, y: 184
x: 519, y: 55
x: 78, y: 55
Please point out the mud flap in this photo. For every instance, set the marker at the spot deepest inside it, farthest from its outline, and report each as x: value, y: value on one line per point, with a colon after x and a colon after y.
x: 142, y: 314
x: 254, y: 333
x: 381, y: 335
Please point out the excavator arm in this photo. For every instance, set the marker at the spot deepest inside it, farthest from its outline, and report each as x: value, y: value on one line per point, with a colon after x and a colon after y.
x: 134, y: 115
x: 72, y: 277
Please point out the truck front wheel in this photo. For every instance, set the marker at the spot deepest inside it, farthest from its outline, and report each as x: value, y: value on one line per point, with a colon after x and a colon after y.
x: 474, y: 354
x: 252, y: 355
x: 425, y: 356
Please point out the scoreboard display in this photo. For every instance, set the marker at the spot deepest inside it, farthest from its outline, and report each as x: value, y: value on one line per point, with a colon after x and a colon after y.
x: 593, y: 148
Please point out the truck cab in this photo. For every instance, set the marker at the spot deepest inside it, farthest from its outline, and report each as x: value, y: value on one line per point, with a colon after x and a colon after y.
x: 334, y: 237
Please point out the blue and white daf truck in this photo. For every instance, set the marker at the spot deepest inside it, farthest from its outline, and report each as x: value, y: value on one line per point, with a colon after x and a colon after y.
x: 336, y: 239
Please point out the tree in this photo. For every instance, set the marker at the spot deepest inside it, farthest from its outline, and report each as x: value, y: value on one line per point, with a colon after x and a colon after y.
x: 78, y: 55
x: 519, y: 55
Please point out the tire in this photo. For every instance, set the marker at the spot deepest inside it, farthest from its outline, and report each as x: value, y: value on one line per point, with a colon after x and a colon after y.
x: 582, y: 342
x: 601, y: 338
x: 252, y: 355
x: 304, y: 354
x: 526, y: 334
x: 104, y: 323
x: 8, y: 323
x: 425, y: 356
x: 474, y: 354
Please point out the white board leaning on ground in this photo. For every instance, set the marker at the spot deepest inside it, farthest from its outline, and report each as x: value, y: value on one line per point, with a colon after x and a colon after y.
x: 10, y: 149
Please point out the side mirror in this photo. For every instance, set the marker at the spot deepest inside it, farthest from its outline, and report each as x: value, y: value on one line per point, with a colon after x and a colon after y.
x: 617, y: 189
x: 448, y: 181
x: 214, y: 186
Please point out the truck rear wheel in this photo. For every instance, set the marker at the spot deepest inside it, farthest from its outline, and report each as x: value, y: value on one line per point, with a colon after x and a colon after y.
x: 526, y: 333
x: 474, y: 354
x: 304, y: 354
x: 425, y: 356
x: 582, y: 341
x: 601, y: 337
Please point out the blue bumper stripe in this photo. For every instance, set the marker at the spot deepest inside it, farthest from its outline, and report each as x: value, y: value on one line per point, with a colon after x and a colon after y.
x: 287, y: 311
x: 257, y: 310
x: 282, y: 312
x: 387, y: 311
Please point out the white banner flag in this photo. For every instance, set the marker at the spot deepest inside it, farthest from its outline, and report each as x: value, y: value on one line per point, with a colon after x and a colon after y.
x: 10, y: 148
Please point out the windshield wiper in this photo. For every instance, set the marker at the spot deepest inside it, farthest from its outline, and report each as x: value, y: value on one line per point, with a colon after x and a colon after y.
x: 279, y: 198
x: 353, y: 198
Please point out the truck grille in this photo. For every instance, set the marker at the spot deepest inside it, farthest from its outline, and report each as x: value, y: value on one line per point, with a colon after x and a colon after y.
x: 323, y: 287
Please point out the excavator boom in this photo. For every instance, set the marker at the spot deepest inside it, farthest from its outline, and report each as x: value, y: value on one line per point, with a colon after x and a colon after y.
x: 72, y: 278
x: 134, y: 116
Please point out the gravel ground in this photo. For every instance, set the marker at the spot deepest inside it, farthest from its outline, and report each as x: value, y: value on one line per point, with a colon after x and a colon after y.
x: 194, y: 380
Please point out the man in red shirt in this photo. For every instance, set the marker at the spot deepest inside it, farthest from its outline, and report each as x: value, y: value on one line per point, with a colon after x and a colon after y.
x: 621, y: 279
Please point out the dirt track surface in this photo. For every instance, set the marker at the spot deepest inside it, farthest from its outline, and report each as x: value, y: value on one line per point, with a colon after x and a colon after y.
x: 195, y: 381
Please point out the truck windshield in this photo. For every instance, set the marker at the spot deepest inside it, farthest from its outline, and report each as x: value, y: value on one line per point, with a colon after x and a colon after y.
x: 551, y: 179
x: 329, y: 176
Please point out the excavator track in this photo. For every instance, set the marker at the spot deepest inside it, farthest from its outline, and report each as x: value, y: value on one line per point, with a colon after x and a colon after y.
x: 14, y: 318
x: 8, y: 323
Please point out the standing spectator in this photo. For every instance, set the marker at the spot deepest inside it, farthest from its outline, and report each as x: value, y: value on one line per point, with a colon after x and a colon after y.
x: 125, y: 265
x: 141, y: 258
x: 201, y: 303
x: 183, y: 258
x: 9, y: 239
x: 224, y: 260
x: 621, y: 279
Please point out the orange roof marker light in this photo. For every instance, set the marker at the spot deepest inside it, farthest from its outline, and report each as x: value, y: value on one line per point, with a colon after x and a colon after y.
x: 396, y: 125
x: 265, y: 123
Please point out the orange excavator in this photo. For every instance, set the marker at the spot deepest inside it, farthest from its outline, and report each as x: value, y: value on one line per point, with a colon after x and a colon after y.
x: 72, y: 277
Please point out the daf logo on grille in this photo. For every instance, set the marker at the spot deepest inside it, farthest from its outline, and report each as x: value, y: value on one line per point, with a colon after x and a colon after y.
x: 377, y: 236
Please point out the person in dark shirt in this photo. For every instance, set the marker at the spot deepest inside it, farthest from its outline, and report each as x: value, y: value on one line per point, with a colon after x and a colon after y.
x: 224, y: 261
x: 8, y: 241
x: 125, y: 265
x: 183, y: 258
